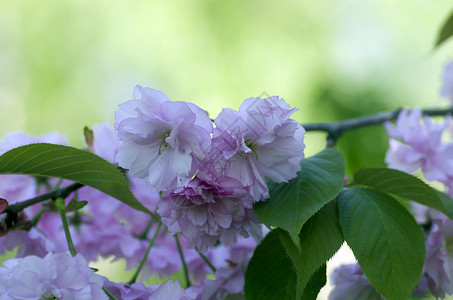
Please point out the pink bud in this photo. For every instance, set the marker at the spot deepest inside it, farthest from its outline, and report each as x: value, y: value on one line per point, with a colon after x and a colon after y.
x: 346, y: 180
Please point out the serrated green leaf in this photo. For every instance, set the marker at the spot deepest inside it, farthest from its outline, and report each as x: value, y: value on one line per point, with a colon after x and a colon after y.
x: 447, y: 201
x: 446, y: 31
x: 401, y: 184
x: 385, y: 239
x: 320, y: 238
x: 270, y: 274
x: 291, y: 204
x: 316, y: 283
x: 72, y: 164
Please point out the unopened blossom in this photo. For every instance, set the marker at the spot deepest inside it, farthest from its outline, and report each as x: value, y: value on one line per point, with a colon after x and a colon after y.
x: 446, y: 90
x: 439, y: 256
x: 259, y: 140
x: 418, y: 145
x: 56, y: 276
x: 350, y: 283
x: 208, y: 210
x: 162, y: 140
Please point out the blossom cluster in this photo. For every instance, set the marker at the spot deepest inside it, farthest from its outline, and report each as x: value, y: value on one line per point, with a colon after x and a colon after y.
x: 417, y: 143
x: 425, y: 146
x: 201, y: 180
x: 209, y: 177
x: 106, y: 227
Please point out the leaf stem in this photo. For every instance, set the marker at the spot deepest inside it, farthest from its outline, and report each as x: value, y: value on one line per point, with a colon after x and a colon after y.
x: 143, y: 235
x: 206, y: 260
x: 145, y: 256
x: 109, y: 294
x: 61, y: 209
x: 184, y: 266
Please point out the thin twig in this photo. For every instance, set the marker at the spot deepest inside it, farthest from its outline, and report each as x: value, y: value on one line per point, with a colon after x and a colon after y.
x: 109, y: 294
x: 336, y: 129
x: 145, y: 256
x: 206, y: 260
x: 59, y: 193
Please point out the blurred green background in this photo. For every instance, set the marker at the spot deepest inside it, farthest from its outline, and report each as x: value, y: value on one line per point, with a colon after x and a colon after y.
x: 67, y: 64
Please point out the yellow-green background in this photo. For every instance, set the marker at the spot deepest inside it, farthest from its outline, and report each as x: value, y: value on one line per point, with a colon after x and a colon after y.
x: 66, y: 64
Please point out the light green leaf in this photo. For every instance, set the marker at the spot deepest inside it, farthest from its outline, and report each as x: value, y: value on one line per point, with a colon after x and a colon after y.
x: 385, y: 239
x: 291, y: 204
x: 320, y: 238
x: 401, y: 184
x: 270, y: 274
x: 74, y: 205
x: 72, y: 164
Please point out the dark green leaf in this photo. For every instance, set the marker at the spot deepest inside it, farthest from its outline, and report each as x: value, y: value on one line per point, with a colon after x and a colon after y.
x: 320, y: 238
x: 446, y: 31
x: 71, y: 164
x: 385, y: 239
x: 270, y: 273
x: 316, y: 283
x: 400, y: 184
x: 291, y: 204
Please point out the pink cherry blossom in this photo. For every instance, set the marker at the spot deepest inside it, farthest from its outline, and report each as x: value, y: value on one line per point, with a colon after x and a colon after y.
x: 350, y: 283
x: 57, y: 275
x: 418, y: 145
x: 208, y: 210
x: 439, y: 256
x: 162, y: 139
x: 259, y: 140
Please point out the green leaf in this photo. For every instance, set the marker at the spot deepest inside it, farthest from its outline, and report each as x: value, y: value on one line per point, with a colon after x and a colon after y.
x: 446, y: 31
x: 447, y: 201
x: 401, y: 184
x: 385, y: 239
x: 270, y: 273
x: 320, y: 238
x: 291, y: 204
x: 74, y: 205
x: 315, y: 284
x: 72, y: 164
